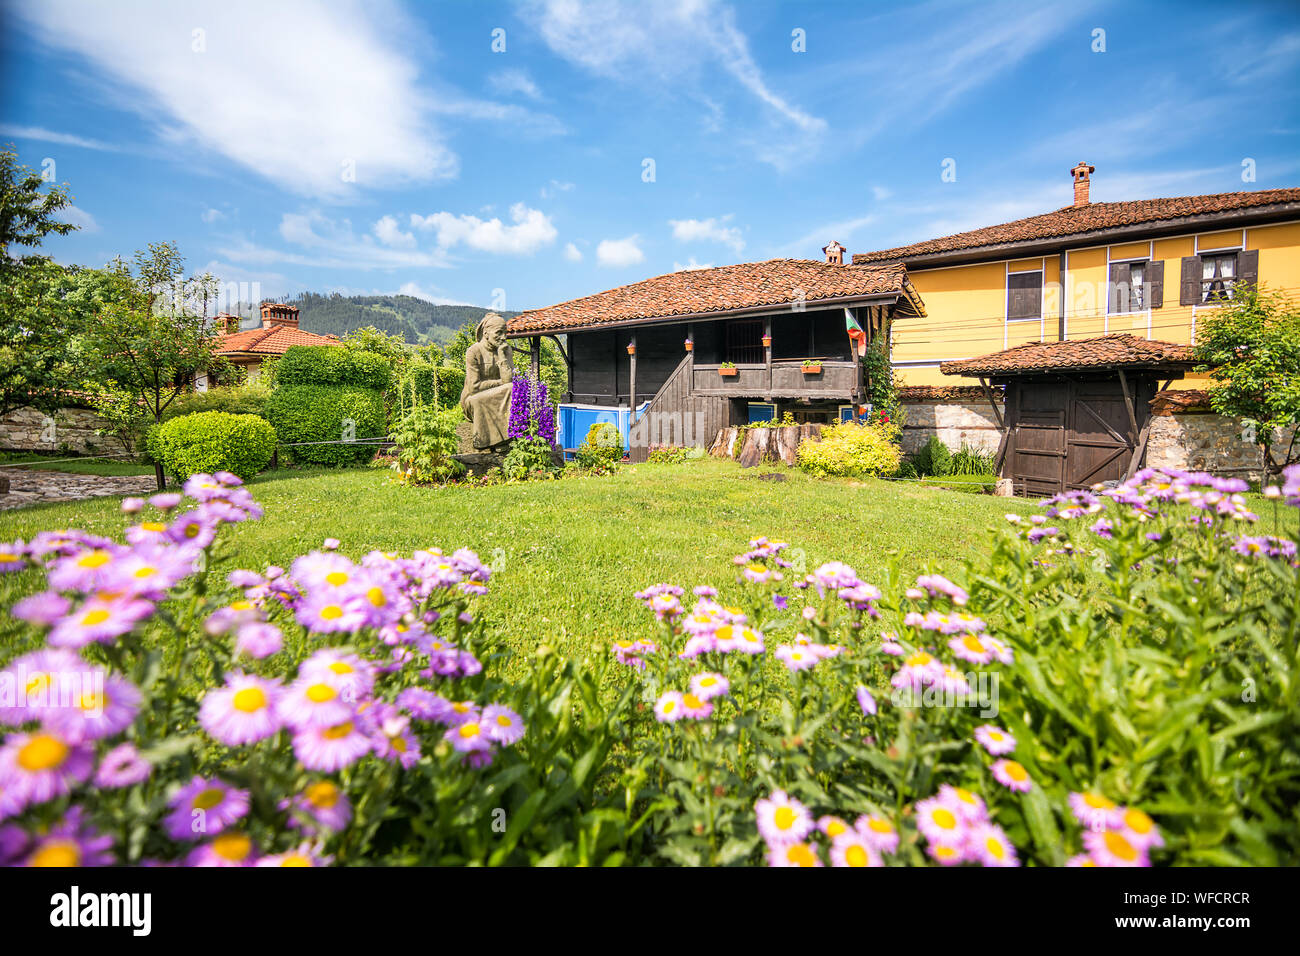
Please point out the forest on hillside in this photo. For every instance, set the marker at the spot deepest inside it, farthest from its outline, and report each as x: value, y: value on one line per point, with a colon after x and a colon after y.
x: 415, y: 320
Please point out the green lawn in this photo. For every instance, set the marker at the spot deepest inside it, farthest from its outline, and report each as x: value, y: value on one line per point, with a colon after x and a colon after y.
x: 76, y: 466
x: 570, y: 553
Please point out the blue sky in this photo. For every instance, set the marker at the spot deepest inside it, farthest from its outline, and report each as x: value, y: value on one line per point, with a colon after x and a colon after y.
x: 386, y: 146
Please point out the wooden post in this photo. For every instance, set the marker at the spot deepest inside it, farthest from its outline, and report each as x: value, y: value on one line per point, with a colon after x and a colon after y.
x: 1128, y: 403
x: 632, y: 382
x: 767, y: 354
x: 1138, y: 451
x: 690, y: 359
x: 988, y: 393
x: 535, y: 357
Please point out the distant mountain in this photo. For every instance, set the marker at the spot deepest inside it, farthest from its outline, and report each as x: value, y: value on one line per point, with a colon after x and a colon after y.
x: 415, y: 320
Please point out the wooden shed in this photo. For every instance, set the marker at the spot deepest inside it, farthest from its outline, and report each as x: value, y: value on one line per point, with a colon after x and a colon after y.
x: 1076, y: 413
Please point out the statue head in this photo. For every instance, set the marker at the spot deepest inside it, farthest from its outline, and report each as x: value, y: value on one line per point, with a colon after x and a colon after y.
x: 491, y: 331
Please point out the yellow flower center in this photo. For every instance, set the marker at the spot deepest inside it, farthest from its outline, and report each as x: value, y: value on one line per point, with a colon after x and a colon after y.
x: 42, y: 752
x: 919, y: 659
x: 341, y: 667
x: 338, y: 731
x: 7, y: 558
x: 835, y: 828
x: 62, y: 853
x: 783, y: 818
x: 944, y: 818
x: 241, y: 605
x: 207, y: 799
x: 94, y: 559
x: 943, y: 852
x: 232, y: 846
x: 337, y: 578
x: 708, y: 681
x: 323, y: 794
x: 145, y: 572
x: 398, y: 743
x: 321, y: 693
x: 973, y: 643
x: 91, y: 618
x: 331, y: 612
x: 1015, y: 771
x: 37, y: 683
x: 965, y: 796
x: 801, y: 855
x: 995, y: 847
x: 295, y: 859
x: 1098, y: 802
x: 693, y: 702
x: 93, y: 701
x: 504, y: 721
x: 856, y: 855
x: 1120, y: 847
x: 877, y: 825
x: 468, y: 731
x: 154, y: 526
x: 377, y: 597
x: 249, y: 700
x: 1137, y: 821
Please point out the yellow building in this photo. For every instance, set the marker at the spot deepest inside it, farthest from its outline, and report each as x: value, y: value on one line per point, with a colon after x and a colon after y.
x: 1148, y: 268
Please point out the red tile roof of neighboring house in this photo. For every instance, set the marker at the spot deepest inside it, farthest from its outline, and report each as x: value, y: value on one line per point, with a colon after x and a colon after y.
x: 1180, y: 400
x: 746, y: 285
x: 1074, y: 220
x: 275, y: 340
x: 1106, y: 351
x: 926, y: 394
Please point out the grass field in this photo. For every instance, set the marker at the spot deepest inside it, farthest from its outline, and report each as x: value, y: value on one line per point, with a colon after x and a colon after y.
x: 107, y: 467
x: 568, y: 554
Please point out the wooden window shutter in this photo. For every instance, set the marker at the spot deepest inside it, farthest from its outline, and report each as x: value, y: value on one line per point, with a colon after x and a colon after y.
x: 1156, y: 283
x: 1248, y: 266
x: 1118, y: 295
x: 1024, y: 295
x: 1189, y: 286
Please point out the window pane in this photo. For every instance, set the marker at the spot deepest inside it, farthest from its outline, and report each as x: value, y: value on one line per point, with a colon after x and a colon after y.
x: 1226, y: 264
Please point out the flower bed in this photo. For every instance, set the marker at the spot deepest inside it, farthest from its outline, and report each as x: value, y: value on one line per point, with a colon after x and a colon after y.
x: 1110, y: 687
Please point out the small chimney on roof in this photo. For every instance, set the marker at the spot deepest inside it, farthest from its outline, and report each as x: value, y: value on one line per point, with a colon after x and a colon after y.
x: 834, y: 253
x: 1081, y: 174
x: 277, y: 313
x: 227, y: 323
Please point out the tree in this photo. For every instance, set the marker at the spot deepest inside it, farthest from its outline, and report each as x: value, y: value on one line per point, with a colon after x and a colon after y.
x: 1251, y: 349
x: 35, y: 322
x: 153, y: 339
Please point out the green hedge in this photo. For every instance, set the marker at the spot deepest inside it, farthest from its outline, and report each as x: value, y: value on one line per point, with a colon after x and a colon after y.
x: 315, y: 413
x: 440, y: 384
x: 331, y: 365
x: 237, y: 400
x: 209, y: 442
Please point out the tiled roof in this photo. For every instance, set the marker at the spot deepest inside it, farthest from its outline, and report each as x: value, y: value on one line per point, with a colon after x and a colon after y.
x: 925, y: 394
x: 275, y: 340
x: 723, y: 288
x: 1180, y: 400
x: 1106, y: 351
x: 1074, y: 220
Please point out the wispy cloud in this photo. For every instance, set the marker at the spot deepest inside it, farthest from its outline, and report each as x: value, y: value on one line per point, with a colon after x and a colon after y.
x: 266, y: 85
x: 318, y: 241
x: 530, y: 231
x: 79, y: 218
x: 620, y: 253
x: 514, y: 81
x: 42, y: 135
x: 709, y: 230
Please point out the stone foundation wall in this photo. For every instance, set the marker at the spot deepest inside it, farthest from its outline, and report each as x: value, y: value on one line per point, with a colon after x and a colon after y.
x: 68, y: 429
x: 969, y: 420
x: 1200, y: 440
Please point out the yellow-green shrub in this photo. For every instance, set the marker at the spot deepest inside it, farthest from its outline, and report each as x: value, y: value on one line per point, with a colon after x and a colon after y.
x: 852, y: 451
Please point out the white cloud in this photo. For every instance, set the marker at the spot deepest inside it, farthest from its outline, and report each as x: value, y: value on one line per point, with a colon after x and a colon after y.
x: 49, y: 136
x: 83, y: 220
x: 320, y: 242
x: 417, y: 291
x: 390, y: 233
x: 692, y: 264
x: 212, y: 215
x: 711, y: 230
x: 554, y: 187
x: 508, y: 82
x: 572, y: 252
x: 274, y: 88
x: 619, y: 253
x: 631, y: 42
x: 531, y: 231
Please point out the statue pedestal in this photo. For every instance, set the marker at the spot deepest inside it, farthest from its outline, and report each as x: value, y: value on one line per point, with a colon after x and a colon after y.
x: 479, y: 463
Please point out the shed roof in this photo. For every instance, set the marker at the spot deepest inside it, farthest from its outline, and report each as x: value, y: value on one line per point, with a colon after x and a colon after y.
x: 1104, y: 352
x: 275, y: 340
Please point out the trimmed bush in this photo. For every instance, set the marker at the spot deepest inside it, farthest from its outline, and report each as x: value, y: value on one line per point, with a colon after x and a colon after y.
x: 247, y: 399
x: 850, y: 450
x: 602, y: 449
x: 330, y: 365
x: 434, y: 384
x: 316, y: 413
x: 209, y: 442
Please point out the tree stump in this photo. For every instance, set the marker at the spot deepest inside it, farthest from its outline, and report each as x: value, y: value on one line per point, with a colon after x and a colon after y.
x: 775, y: 445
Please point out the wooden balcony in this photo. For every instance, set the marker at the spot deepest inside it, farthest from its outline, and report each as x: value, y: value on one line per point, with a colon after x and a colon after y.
x: 836, y: 380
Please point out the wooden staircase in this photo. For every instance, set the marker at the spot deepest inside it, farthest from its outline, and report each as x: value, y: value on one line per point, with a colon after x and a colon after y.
x: 677, y: 416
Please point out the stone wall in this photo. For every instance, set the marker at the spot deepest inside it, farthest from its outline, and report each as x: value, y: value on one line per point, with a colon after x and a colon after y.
x: 1200, y: 440
x: 956, y: 414
x: 69, y: 429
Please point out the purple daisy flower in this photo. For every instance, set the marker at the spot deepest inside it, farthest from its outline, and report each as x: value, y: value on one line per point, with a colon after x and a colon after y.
x: 668, y: 709
x: 995, y: 740
x: 1012, y: 775
x: 227, y: 849
x: 42, y: 765
x: 42, y: 609
x: 47, y: 679
x: 71, y: 842
x: 204, y: 806
x: 709, y: 685
x: 331, y: 747
x: 502, y: 725
x: 314, y: 701
x: 468, y: 736
x: 99, y: 621
x: 258, y: 639
x: 783, y: 820
x: 324, y: 805
x: 103, y: 705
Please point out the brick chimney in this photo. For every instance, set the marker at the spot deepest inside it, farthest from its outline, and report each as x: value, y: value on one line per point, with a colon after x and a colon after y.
x: 277, y: 313
x: 834, y: 253
x: 1081, y: 174
x: 228, y: 324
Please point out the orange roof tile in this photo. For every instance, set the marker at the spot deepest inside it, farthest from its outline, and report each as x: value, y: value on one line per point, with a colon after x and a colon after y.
x: 1074, y: 220
x: 275, y: 340
x: 745, y: 285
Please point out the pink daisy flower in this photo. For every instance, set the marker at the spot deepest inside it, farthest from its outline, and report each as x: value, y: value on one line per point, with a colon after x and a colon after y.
x: 323, y: 804
x: 793, y: 854
x: 668, y: 709
x: 851, y: 848
x: 708, y: 685
x: 968, y: 806
x: 1113, y: 848
x: 313, y: 701
x: 394, y: 740
x: 502, y: 725
x: 995, y: 740
x: 695, y: 708
x: 203, y: 807
x: 331, y: 747
x: 878, y: 832
x: 989, y: 844
x: 796, y: 658
x: 40, y: 766
x: 940, y: 822
x: 1012, y: 775
x: 121, y: 767
x: 100, y: 706
x: 348, y: 672
x: 227, y: 849
x: 1095, y: 811
x: 98, y: 621
x: 946, y: 854
x: 782, y: 820
x: 243, y: 711
x: 258, y: 639
x: 468, y: 737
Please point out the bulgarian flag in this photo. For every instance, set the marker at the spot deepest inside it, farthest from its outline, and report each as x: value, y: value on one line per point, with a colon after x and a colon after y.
x: 856, y: 335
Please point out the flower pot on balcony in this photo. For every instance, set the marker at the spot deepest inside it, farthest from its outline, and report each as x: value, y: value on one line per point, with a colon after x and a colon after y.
x: 727, y: 371
x: 631, y: 350
x: 767, y: 341
x: 812, y: 369
x: 690, y: 346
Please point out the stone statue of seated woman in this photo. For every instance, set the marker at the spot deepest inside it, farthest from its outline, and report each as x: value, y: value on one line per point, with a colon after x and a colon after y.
x: 489, y: 375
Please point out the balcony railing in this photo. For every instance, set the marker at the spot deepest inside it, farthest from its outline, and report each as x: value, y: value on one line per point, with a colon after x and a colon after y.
x: 781, y: 379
